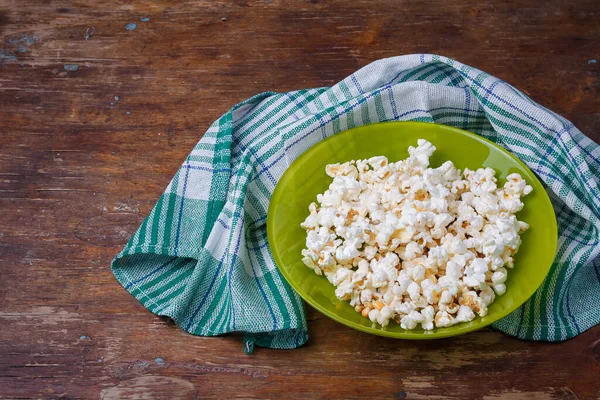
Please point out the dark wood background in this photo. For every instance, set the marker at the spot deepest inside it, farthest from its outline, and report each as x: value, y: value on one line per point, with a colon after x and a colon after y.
x: 80, y: 169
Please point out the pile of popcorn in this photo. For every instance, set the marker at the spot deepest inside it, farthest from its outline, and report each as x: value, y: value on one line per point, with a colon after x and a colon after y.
x: 418, y: 245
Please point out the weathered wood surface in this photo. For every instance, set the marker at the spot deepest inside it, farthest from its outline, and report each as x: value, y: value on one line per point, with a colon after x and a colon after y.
x: 79, y: 170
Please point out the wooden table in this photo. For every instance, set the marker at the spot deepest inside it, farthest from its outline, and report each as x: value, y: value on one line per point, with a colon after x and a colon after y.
x: 96, y: 117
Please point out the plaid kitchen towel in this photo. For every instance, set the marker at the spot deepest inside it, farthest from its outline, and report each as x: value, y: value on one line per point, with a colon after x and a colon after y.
x: 201, y: 257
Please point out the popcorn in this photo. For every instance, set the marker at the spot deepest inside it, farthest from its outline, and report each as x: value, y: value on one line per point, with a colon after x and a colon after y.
x: 465, y: 314
x: 411, y: 320
x: 420, y: 246
x: 454, y: 270
x: 443, y: 319
x: 431, y: 291
x: 346, y: 253
x: 500, y: 289
x: 499, y: 276
x: 414, y: 291
x: 428, y: 314
x: 475, y: 273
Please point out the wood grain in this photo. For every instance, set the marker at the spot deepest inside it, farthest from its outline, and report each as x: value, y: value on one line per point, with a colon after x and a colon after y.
x: 95, y: 119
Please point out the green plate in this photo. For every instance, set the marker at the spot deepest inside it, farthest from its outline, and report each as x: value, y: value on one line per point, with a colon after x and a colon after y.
x: 306, y: 177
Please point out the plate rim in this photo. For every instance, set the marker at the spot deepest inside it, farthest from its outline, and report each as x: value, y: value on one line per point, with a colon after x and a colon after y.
x: 408, y: 334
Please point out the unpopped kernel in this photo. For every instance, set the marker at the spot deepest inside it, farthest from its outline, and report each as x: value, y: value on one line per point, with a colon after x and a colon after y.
x: 417, y: 245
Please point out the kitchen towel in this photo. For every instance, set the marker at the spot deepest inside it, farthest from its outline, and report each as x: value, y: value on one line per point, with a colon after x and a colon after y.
x: 201, y: 257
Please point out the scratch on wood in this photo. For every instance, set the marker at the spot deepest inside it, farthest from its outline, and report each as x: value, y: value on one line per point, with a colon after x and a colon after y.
x: 43, y: 315
x: 518, y: 395
x: 89, y: 32
x: 596, y: 351
x: 253, y: 372
x: 151, y: 387
x: 171, y: 134
x: 108, y: 229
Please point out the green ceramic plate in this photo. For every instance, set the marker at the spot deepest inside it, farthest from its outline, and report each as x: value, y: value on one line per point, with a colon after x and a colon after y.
x: 306, y: 177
